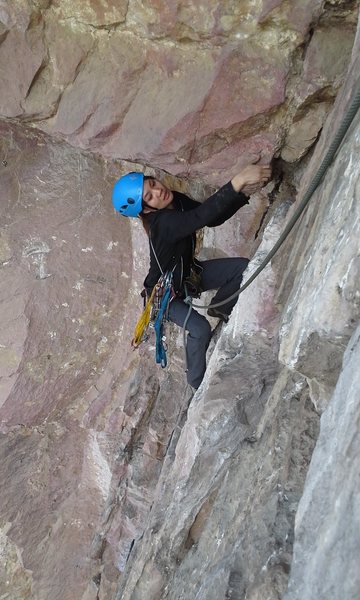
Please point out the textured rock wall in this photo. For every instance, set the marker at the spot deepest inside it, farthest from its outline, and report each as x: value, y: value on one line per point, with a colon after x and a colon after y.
x: 320, y: 259
x: 64, y: 282
x: 224, y: 509
x: 198, y: 89
x: 96, y: 491
x: 193, y: 88
x: 327, y: 536
x: 77, y: 406
x: 223, y: 522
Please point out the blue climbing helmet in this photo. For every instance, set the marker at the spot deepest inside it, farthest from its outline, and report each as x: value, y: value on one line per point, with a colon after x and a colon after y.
x: 127, y: 194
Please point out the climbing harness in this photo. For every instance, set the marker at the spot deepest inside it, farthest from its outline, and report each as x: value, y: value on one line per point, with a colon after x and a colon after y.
x: 339, y: 136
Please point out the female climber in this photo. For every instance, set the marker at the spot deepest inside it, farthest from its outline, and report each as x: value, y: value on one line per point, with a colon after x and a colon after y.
x: 171, y: 220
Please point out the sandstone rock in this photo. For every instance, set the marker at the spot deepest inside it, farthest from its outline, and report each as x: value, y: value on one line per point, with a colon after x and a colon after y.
x: 204, y: 114
x: 324, y: 529
x: 295, y: 15
x: 188, y: 547
x: 326, y: 314
x: 185, y: 21
x: 89, y: 109
x: 125, y: 80
x: 21, y: 56
x: 15, y: 14
x: 71, y: 272
x: 97, y: 14
x: 16, y: 580
x: 324, y: 66
x: 86, y: 425
x: 327, y: 56
x: 65, y: 278
x: 52, y: 240
x: 68, y: 50
x: 216, y: 541
x: 304, y: 131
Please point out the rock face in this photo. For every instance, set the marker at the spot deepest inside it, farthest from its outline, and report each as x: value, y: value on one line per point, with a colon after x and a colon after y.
x: 329, y: 492
x: 115, y: 484
x: 224, y: 509
x: 196, y: 89
x: 223, y: 522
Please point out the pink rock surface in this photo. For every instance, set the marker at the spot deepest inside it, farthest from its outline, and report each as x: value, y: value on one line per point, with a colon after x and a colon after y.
x: 198, y: 89
x: 125, y: 81
x: 64, y: 270
x: 92, y: 12
x: 21, y: 54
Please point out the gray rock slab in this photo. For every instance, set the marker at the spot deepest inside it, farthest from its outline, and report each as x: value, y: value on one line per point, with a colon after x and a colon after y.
x: 327, y: 533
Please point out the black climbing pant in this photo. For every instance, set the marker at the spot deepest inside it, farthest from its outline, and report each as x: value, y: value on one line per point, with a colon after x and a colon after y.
x: 225, y: 275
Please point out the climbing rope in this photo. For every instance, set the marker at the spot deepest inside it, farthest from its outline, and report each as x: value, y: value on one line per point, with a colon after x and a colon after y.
x: 345, y: 124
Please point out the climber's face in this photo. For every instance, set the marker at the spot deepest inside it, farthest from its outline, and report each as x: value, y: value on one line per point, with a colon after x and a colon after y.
x: 155, y: 195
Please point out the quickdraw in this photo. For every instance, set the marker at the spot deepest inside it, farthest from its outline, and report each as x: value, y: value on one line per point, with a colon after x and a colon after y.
x: 140, y: 333
x: 155, y: 313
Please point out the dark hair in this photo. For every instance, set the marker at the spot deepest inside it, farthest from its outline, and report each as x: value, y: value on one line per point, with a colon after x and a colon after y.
x: 145, y: 223
x: 143, y: 216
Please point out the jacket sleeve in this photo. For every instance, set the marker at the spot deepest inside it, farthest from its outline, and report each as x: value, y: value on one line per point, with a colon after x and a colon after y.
x: 229, y: 213
x: 222, y: 205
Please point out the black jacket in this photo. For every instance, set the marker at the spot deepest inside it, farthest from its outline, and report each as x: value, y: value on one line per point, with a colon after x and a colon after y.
x: 173, y: 231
